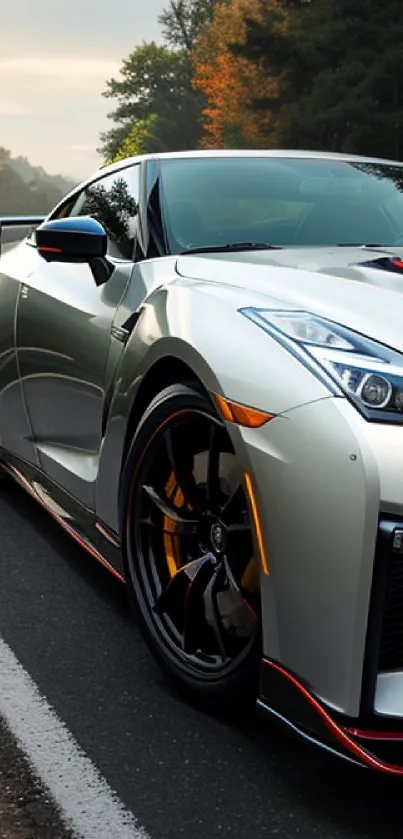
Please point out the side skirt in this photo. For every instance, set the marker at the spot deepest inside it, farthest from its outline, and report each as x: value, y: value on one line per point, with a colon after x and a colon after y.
x: 79, y: 522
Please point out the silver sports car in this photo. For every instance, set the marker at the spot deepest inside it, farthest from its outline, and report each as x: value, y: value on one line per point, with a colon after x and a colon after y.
x: 201, y: 379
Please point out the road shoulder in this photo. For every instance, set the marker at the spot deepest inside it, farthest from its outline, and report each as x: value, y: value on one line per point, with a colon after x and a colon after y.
x: 26, y: 810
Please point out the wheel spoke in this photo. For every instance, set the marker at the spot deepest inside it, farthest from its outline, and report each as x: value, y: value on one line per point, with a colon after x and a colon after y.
x: 182, y: 465
x: 237, y: 615
x: 195, y: 616
x: 213, y: 618
x: 213, y: 469
x: 184, y: 524
x: 174, y: 530
x: 242, y: 527
x: 176, y: 592
x: 234, y: 504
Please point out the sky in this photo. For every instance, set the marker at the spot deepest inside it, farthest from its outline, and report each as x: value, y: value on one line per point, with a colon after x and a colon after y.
x: 55, y: 58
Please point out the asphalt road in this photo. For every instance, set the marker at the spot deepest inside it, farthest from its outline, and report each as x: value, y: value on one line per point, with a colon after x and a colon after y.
x: 181, y: 772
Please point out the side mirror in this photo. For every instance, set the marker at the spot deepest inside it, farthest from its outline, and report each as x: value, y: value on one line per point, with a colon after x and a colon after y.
x: 77, y: 239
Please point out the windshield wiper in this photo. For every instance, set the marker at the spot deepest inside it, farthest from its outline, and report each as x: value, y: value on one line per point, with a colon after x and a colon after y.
x: 233, y: 246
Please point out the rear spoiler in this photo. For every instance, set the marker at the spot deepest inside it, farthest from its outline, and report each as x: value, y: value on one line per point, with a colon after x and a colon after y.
x: 19, y: 221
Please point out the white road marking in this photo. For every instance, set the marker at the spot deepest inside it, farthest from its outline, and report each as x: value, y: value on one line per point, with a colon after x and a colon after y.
x: 85, y: 800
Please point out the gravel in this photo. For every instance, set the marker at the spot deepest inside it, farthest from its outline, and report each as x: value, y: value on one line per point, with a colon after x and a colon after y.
x: 26, y: 810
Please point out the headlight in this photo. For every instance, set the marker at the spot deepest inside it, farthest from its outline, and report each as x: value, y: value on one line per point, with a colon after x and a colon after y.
x: 368, y: 373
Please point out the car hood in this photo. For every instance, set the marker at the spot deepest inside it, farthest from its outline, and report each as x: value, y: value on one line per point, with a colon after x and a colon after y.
x: 358, y: 287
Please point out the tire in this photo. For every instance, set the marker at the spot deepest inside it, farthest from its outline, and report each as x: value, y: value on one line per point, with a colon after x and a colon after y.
x: 188, y: 548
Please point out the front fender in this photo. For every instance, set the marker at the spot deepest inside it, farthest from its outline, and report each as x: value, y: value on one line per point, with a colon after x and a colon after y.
x: 226, y: 352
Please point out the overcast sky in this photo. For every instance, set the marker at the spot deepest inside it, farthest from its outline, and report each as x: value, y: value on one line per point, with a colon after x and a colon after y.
x: 54, y: 60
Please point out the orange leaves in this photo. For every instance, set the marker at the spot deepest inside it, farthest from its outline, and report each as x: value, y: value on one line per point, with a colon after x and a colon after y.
x: 233, y: 86
x: 222, y: 86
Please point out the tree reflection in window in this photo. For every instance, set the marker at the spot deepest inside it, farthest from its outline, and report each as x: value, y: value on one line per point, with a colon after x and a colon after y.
x: 392, y: 175
x: 116, y: 209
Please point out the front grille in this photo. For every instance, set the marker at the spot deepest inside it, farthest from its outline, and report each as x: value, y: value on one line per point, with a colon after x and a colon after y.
x: 391, y: 642
x: 385, y: 626
x: 384, y: 645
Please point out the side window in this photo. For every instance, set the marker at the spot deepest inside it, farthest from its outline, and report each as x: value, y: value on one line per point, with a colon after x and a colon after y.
x: 113, y: 201
x: 63, y: 211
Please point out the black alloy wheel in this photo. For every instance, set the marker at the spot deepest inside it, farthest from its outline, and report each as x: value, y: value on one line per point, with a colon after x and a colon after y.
x: 189, y: 553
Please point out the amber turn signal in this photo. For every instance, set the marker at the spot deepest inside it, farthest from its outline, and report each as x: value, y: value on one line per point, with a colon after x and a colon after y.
x: 241, y: 414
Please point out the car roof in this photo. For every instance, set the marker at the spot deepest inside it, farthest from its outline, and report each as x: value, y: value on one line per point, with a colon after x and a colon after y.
x: 242, y: 153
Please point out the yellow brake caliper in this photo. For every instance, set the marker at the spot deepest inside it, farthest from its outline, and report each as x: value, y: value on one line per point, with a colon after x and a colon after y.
x: 171, y: 539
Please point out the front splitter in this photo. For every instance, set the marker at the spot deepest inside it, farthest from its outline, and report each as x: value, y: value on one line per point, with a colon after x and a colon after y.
x: 285, y: 697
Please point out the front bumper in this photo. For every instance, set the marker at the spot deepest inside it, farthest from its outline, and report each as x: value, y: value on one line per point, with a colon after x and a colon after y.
x: 330, y: 493
x: 285, y: 697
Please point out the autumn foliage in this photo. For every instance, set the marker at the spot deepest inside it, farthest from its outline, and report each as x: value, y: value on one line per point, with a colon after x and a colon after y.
x: 237, y: 90
x: 310, y: 74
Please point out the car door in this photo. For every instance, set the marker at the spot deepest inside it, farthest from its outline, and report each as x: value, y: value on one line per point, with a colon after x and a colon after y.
x: 15, y: 433
x: 65, y: 338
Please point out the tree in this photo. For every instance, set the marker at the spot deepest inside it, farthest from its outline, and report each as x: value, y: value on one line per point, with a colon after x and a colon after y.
x: 184, y: 21
x: 340, y: 67
x: 231, y: 82
x: 154, y: 84
x: 4, y: 156
x: 158, y: 107
x: 142, y: 138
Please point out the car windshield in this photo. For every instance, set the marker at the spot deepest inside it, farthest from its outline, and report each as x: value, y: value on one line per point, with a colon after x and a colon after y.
x: 281, y: 201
